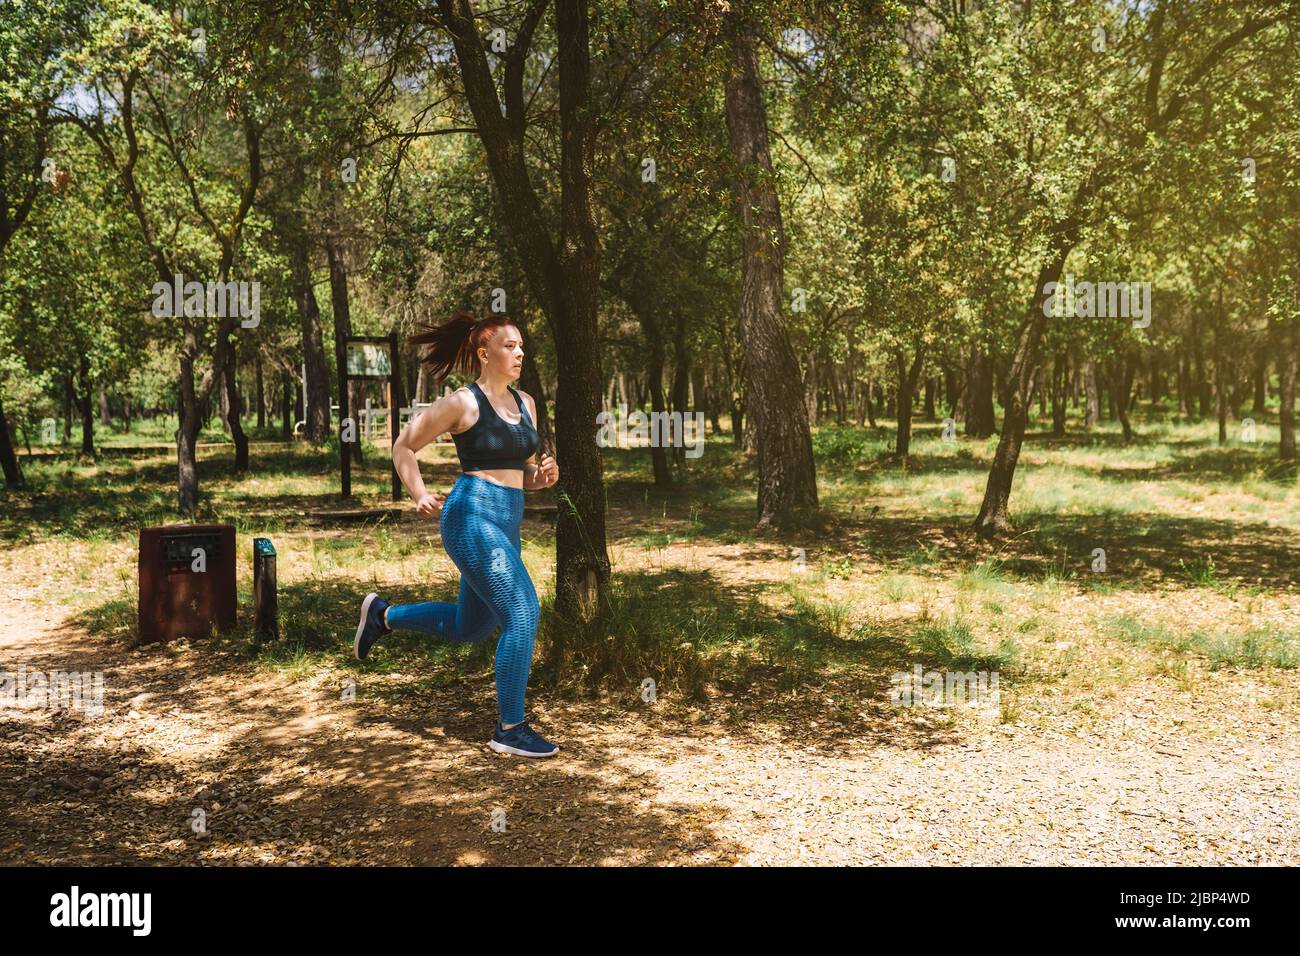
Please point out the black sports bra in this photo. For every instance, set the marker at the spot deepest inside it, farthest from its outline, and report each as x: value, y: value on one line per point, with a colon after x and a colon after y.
x: 492, y: 442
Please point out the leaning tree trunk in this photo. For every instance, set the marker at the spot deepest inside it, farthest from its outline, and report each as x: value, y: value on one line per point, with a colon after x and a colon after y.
x: 233, y: 421
x: 993, y: 517
x: 787, y: 480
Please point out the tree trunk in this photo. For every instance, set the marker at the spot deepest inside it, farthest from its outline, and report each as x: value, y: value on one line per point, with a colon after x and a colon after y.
x: 1060, y: 382
x: 342, y: 329
x: 1204, y: 390
x: 980, y: 420
x: 1287, y: 361
x: 1221, y: 398
x: 84, y: 405
x: 261, y: 394
x: 1261, y: 384
x: 531, y: 379
x: 104, y: 418
x: 286, y: 423
x: 681, y: 387
x: 993, y: 517
x: 839, y: 395
x: 699, y: 390
x: 8, y: 459
x: 1092, y: 407
x: 811, y: 385
x: 223, y: 406
x: 1183, y: 385
x: 190, y: 422
x: 787, y: 482
x: 1119, y: 382
x: 233, y: 421
x: 1220, y: 373
x: 317, y: 412
x: 951, y: 391
x: 906, y: 394
x: 67, y: 408
x: 563, y: 275
x: 658, y: 405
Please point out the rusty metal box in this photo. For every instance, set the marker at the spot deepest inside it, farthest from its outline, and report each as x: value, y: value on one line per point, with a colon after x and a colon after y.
x: 187, y: 581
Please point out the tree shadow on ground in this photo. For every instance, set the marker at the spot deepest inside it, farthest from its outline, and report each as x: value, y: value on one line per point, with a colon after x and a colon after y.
x: 287, y: 766
x: 1212, y: 464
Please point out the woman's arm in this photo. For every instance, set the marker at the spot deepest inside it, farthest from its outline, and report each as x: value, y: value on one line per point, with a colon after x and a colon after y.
x: 543, y: 474
x: 442, y: 416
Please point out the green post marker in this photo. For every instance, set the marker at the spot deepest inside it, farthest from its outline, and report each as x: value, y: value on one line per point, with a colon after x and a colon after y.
x: 266, y: 611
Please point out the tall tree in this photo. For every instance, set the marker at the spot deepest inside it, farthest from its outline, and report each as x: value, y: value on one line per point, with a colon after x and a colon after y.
x: 787, y: 477
x: 562, y: 262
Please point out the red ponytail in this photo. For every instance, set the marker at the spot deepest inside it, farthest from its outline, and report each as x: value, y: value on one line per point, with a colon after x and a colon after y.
x: 453, y: 345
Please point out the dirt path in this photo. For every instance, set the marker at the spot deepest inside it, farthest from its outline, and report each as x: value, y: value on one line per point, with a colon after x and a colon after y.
x: 290, y: 772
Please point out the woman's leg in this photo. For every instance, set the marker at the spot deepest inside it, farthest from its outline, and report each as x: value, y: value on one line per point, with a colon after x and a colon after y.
x: 482, y: 536
x: 468, y: 621
x: 496, y: 572
x: 480, y: 530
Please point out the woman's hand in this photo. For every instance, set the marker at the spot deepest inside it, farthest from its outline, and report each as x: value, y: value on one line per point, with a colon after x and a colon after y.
x: 547, y: 474
x: 428, y: 505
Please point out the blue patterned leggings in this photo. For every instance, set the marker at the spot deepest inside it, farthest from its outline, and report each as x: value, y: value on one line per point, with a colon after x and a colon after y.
x: 480, y: 530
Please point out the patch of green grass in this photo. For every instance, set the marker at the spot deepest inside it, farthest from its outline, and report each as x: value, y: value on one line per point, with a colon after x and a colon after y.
x: 1251, y: 649
x: 984, y: 575
x: 1199, y: 571
x: 952, y: 644
x: 898, y: 587
x: 924, y: 556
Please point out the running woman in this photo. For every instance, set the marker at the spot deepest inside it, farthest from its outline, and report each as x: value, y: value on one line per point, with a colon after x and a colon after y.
x: 480, y: 518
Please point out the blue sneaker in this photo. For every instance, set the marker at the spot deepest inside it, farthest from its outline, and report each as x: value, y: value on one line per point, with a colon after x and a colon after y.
x: 372, y: 626
x: 522, y: 741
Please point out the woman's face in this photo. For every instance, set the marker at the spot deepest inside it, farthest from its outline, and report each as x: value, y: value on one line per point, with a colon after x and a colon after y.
x: 503, y: 354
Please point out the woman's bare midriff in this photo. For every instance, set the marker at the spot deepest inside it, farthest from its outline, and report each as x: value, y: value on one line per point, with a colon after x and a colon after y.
x: 510, y: 477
